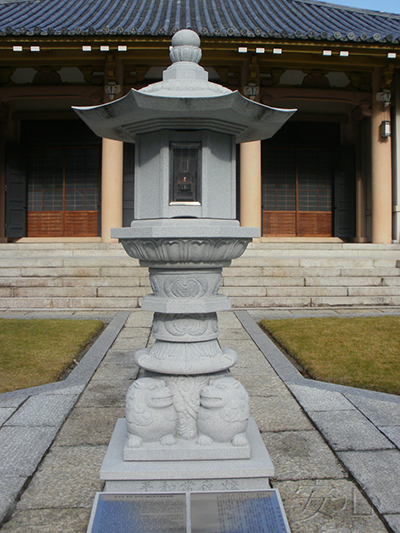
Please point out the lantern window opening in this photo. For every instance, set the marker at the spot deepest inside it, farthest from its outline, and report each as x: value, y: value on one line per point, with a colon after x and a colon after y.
x: 185, y: 173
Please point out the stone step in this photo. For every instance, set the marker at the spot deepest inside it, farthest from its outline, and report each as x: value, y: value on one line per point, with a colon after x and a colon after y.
x: 69, y: 303
x: 277, y: 292
x: 316, y: 262
x: 98, y: 275
x: 237, y: 302
x: 338, y: 301
x: 81, y: 249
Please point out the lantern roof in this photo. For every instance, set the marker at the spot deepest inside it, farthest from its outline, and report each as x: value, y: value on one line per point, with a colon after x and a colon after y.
x: 184, y: 100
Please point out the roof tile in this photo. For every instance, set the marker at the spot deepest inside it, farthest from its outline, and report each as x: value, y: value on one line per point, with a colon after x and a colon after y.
x: 295, y: 19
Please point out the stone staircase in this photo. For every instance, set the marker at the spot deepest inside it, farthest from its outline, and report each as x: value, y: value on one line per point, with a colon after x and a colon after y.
x: 101, y: 276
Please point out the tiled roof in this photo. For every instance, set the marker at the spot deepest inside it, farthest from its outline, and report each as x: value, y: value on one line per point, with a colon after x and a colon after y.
x: 294, y: 19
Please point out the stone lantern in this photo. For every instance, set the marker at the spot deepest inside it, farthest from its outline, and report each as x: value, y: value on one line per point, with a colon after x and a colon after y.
x: 186, y: 411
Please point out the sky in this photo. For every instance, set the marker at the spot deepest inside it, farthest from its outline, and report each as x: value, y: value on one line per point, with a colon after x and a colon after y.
x: 389, y: 6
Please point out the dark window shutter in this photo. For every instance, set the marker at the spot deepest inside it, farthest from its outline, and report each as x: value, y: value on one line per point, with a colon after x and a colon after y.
x: 15, y: 192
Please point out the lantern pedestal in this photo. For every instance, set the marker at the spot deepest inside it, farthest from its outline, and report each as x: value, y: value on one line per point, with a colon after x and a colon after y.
x: 186, y: 406
x: 186, y: 475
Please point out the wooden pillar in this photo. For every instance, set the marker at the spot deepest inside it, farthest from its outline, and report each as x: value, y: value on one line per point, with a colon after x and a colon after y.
x: 381, y: 168
x: 396, y: 161
x: 111, y: 187
x: 250, y: 185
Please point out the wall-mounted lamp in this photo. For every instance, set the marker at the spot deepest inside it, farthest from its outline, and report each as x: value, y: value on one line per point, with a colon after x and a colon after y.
x: 112, y: 88
x: 384, y: 97
x: 386, y: 129
x: 251, y: 90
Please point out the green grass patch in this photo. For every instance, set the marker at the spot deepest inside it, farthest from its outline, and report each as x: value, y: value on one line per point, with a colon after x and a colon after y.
x: 358, y: 352
x: 34, y: 352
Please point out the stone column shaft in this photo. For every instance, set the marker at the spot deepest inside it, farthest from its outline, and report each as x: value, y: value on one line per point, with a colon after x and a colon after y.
x: 111, y: 187
x: 381, y: 168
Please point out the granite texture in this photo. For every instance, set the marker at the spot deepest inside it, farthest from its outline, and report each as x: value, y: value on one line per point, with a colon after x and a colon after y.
x: 312, y: 399
x: 21, y: 448
x: 43, y: 410
x: 302, y: 455
x: 74, y: 469
x: 378, y: 473
x: 71, y: 520
x: 349, y: 430
x: 335, y: 506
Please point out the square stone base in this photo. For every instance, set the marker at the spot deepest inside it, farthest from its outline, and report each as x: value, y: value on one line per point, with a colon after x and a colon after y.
x: 183, y: 476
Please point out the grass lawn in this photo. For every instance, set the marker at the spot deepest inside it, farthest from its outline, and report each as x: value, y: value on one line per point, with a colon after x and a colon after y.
x: 34, y: 352
x: 359, y: 352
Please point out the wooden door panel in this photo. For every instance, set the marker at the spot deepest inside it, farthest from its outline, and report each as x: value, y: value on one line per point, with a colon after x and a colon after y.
x: 279, y: 223
x: 314, y: 224
x: 81, y: 223
x: 45, y: 224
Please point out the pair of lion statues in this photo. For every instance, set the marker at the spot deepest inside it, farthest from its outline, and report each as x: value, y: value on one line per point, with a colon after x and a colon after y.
x: 222, y: 415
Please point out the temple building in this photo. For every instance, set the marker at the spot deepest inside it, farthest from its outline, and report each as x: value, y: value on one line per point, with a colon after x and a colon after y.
x: 332, y: 172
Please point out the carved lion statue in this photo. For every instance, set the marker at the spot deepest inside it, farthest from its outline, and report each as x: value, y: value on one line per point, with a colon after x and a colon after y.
x: 150, y: 414
x: 224, y: 412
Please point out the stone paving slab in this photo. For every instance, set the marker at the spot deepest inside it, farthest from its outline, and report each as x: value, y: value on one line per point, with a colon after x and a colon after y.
x: 302, y: 455
x: 10, y: 488
x: 334, y: 506
x: 275, y: 413
x: 9, y: 401
x: 5, y: 413
x: 380, y: 413
x: 312, y: 399
x: 349, y: 430
x: 21, y: 448
x: 64, y: 478
x: 392, y: 433
x: 378, y: 473
x: 99, y: 393
x: 89, y: 425
x: 43, y: 410
x: 393, y: 520
x: 73, y: 520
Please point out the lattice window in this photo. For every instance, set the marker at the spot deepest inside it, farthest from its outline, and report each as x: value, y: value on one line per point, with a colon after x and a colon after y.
x: 279, y: 180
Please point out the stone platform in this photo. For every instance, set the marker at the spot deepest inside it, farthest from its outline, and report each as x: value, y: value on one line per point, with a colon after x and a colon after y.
x: 170, y: 476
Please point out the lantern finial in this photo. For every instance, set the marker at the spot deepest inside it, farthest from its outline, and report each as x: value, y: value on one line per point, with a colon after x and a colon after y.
x: 185, y: 47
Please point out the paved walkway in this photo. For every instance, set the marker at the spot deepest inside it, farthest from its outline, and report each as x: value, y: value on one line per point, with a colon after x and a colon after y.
x: 335, y: 449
